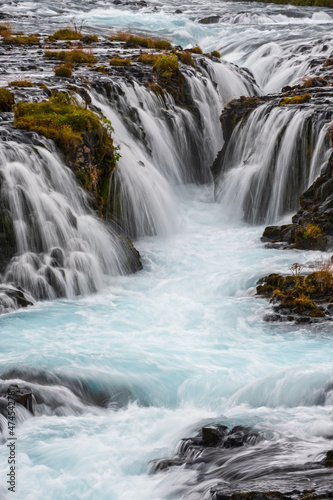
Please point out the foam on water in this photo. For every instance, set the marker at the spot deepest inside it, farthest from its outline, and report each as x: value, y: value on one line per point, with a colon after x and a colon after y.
x: 185, y: 339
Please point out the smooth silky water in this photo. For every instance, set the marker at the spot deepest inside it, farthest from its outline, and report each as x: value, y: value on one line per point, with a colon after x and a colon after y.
x: 176, y: 345
x: 121, y: 375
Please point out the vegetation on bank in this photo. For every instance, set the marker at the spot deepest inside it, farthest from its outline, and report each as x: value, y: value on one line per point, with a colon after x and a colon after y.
x: 70, y: 34
x: 147, y: 42
x: 120, y: 61
x: 297, y: 99
x: 63, y: 70
x: 299, y: 294
x: 166, y: 65
x: 85, y: 141
x: 59, y: 119
x: 17, y: 39
x: 20, y: 83
x: 76, y: 56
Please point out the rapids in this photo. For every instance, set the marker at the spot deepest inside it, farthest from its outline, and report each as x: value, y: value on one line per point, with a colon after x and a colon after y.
x: 119, y: 376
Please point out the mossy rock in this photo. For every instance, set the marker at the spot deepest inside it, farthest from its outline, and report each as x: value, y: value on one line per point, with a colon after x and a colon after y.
x: 85, y: 142
x: 6, y: 100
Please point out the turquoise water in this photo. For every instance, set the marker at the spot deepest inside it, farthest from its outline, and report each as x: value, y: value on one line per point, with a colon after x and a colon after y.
x: 171, y: 347
x: 120, y: 376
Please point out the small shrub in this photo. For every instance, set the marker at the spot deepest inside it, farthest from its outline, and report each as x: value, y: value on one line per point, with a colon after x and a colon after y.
x: 5, y: 31
x: 186, y: 58
x: 162, y: 45
x: 147, y: 42
x: 118, y: 61
x: 66, y: 34
x: 20, y: 39
x: 297, y: 99
x: 167, y: 65
x: 71, y: 56
x: 196, y: 49
x: 6, y: 100
x: 312, y: 231
x: 20, y: 83
x: 100, y: 69
x: 215, y: 53
x: 319, y: 282
x: 147, y: 58
x: 90, y: 39
x: 63, y: 70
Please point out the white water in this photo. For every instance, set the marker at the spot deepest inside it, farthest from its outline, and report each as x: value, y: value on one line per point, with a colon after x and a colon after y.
x: 271, y: 159
x: 62, y: 250
x: 121, y: 375
x: 184, y: 340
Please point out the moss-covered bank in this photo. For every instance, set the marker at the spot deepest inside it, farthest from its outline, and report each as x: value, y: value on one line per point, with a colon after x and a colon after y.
x: 85, y: 142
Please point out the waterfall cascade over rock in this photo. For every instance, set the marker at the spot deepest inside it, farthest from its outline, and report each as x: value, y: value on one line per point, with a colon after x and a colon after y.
x: 169, y: 383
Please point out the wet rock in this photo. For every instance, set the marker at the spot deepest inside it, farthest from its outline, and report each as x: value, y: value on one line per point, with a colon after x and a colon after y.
x: 209, y: 20
x: 212, y: 439
x: 329, y: 459
x: 303, y: 299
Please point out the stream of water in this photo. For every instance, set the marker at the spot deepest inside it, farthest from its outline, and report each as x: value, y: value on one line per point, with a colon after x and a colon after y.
x: 121, y: 375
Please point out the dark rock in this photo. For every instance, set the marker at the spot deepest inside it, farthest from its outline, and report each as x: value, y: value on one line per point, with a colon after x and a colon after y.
x: 210, y: 20
x: 212, y: 436
x: 329, y: 459
x: 23, y: 396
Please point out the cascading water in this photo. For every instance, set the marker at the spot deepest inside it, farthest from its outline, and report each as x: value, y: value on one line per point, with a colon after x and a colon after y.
x: 164, y: 144
x: 61, y: 249
x: 270, y: 160
x: 119, y: 377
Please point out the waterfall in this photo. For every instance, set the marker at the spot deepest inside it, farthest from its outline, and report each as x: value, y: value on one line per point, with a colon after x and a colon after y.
x: 270, y: 160
x: 164, y: 144
x: 61, y: 249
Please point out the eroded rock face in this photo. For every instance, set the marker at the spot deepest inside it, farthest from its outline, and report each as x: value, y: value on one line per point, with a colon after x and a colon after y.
x: 312, y: 225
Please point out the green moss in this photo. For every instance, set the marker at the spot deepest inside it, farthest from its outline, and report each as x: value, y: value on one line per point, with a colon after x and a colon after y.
x: 196, y: 49
x: 66, y: 34
x: 100, y: 69
x: 132, y: 40
x: 147, y: 58
x: 157, y: 89
x: 310, y: 238
x: 71, y: 56
x: 58, y: 119
x: 6, y: 100
x: 215, y: 53
x: 166, y: 65
x: 63, y: 70
x: 161, y: 45
x: 118, y: 61
x: 85, y: 142
x: 186, y: 58
x: 297, y: 99
x: 90, y: 39
x: 20, y: 83
x: 21, y: 39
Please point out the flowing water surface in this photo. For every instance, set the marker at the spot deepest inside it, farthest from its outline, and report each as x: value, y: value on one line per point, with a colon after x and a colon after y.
x: 121, y: 375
